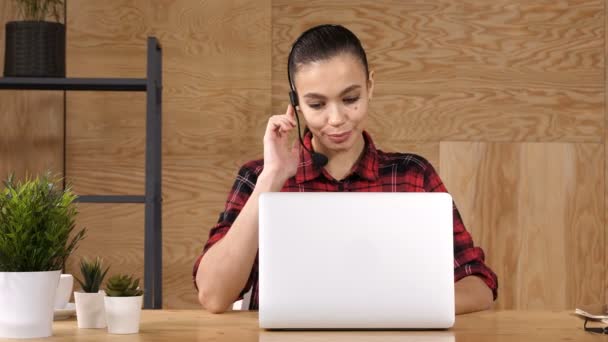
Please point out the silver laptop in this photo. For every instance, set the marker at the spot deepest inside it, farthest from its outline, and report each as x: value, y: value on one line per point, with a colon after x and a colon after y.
x: 356, y: 261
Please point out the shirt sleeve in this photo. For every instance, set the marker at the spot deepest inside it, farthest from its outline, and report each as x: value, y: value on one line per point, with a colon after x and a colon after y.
x: 468, y: 259
x: 239, y: 194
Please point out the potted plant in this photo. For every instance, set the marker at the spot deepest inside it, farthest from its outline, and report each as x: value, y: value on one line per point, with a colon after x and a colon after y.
x: 37, y: 221
x: 35, y: 46
x: 90, y: 311
x: 123, y: 304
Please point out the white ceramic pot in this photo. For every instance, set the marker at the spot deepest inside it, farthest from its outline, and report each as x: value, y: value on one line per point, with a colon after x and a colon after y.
x: 26, y: 303
x: 123, y: 314
x: 90, y: 310
x: 64, y: 291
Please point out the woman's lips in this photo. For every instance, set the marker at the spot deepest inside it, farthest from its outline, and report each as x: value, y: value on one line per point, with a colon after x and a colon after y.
x: 339, y: 137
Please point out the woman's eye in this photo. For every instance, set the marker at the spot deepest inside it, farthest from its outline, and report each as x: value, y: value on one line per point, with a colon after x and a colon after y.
x: 315, y: 105
x: 351, y: 99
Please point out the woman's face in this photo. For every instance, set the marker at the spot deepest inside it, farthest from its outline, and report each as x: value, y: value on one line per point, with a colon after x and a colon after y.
x: 333, y: 96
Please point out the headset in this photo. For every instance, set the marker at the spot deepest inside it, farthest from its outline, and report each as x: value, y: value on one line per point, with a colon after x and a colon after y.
x: 318, y: 159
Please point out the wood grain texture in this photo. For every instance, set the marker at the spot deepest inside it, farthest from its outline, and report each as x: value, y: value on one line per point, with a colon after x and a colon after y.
x: 216, y: 96
x: 605, y: 268
x: 31, y: 123
x: 537, y: 210
x: 115, y: 232
x: 105, y: 136
x: 468, y: 70
x: 174, y: 325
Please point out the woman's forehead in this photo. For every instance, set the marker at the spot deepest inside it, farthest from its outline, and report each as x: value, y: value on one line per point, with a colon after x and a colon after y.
x: 335, y: 73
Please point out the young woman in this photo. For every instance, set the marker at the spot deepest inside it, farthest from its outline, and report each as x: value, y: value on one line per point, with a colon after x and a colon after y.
x: 328, y: 68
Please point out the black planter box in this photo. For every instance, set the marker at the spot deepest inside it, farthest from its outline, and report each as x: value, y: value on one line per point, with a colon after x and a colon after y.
x: 34, y: 49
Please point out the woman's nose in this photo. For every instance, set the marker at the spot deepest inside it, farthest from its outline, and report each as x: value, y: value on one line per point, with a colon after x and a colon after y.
x: 336, y: 116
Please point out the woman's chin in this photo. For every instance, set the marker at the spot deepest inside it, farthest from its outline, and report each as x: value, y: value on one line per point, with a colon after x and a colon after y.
x: 338, y: 147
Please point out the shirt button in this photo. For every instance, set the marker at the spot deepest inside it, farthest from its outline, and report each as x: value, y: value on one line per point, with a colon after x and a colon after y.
x: 340, y: 187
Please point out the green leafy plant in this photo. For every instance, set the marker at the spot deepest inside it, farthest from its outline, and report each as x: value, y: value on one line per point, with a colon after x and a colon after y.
x: 39, y: 10
x: 92, y: 275
x: 122, y: 285
x: 37, y: 219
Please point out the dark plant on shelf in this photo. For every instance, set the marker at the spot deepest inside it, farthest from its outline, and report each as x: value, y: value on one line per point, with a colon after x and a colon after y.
x: 35, y: 45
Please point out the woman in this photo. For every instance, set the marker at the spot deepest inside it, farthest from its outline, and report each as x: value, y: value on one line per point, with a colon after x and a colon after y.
x: 328, y: 67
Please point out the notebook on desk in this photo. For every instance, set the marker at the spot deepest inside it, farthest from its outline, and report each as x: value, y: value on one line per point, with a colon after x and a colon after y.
x: 356, y: 261
x: 596, y: 312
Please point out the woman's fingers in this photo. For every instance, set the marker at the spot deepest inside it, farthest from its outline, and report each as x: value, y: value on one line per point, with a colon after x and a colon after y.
x: 282, y: 123
x: 279, y: 125
x: 290, y: 113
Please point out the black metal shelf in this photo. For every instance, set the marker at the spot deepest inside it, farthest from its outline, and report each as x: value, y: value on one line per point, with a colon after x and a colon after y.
x: 111, y: 199
x: 91, y: 84
x: 152, y: 85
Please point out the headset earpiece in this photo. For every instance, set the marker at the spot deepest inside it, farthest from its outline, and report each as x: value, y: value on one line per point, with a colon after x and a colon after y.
x: 293, y: 98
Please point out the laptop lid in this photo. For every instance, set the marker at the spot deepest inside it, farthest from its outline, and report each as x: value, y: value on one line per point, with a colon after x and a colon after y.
x: 334, y: 260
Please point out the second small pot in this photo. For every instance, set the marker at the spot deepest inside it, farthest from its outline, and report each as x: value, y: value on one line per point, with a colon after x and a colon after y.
x: 90, y: 310
x: 123, y: 314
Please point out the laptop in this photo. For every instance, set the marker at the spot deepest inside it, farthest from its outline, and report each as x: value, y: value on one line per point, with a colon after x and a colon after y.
x: 335, y: 260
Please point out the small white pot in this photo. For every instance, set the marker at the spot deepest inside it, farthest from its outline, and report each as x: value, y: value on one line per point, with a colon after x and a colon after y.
x: 123, y: 314
x: 26, y: 303
x: 90, y: 310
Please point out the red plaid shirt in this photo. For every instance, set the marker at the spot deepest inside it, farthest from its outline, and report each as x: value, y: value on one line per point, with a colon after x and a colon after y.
x: 376, y: 171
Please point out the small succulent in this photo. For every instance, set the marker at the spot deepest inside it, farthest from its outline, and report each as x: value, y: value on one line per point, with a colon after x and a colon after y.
x: 92, y: 275
x: 122, y: 285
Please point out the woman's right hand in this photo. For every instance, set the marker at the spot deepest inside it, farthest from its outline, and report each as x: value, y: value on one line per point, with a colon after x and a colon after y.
x: 280, y: 159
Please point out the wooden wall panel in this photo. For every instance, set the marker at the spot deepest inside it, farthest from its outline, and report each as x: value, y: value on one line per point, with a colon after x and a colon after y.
x: 115, y: 232
x: 216, y: 96
x: 469, y: 70
x: 105, y: 142
x: 31, y: 122
x: 605, y: 268
x: 537, y: 210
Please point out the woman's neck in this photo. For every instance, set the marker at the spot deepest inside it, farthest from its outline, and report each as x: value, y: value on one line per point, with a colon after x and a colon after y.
x: 340, y: 163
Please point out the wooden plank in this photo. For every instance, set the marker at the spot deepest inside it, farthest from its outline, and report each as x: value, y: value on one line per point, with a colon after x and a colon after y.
x: 105, y: 136
x: 537, y: 210
x: 468, y: 70
x: 115, y: 232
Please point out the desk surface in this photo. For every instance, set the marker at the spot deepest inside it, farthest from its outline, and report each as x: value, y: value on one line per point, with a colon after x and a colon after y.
x: 177, y: 325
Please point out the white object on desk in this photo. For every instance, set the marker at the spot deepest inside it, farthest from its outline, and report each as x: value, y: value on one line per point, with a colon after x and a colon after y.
x: 26, y: 303
x: 64, y: 291
x: 356, y: 260
x: 90, y: 310
x: 595, y: 312
x: 242, y: 304
x: 123, y: 314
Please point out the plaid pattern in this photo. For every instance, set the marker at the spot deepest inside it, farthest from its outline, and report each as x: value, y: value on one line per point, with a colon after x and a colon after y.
x: 376, y: 171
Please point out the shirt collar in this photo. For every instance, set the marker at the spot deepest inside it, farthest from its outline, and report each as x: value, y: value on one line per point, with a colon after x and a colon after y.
x: 366, y: 167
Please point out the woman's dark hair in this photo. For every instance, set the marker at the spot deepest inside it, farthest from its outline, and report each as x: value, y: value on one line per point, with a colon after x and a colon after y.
x: 324, y: 42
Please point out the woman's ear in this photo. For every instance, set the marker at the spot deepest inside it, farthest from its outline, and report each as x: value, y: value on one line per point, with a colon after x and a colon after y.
x: 370, y: 85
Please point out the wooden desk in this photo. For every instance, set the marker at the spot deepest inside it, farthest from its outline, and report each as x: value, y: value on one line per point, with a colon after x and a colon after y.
x: 175, y: 325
